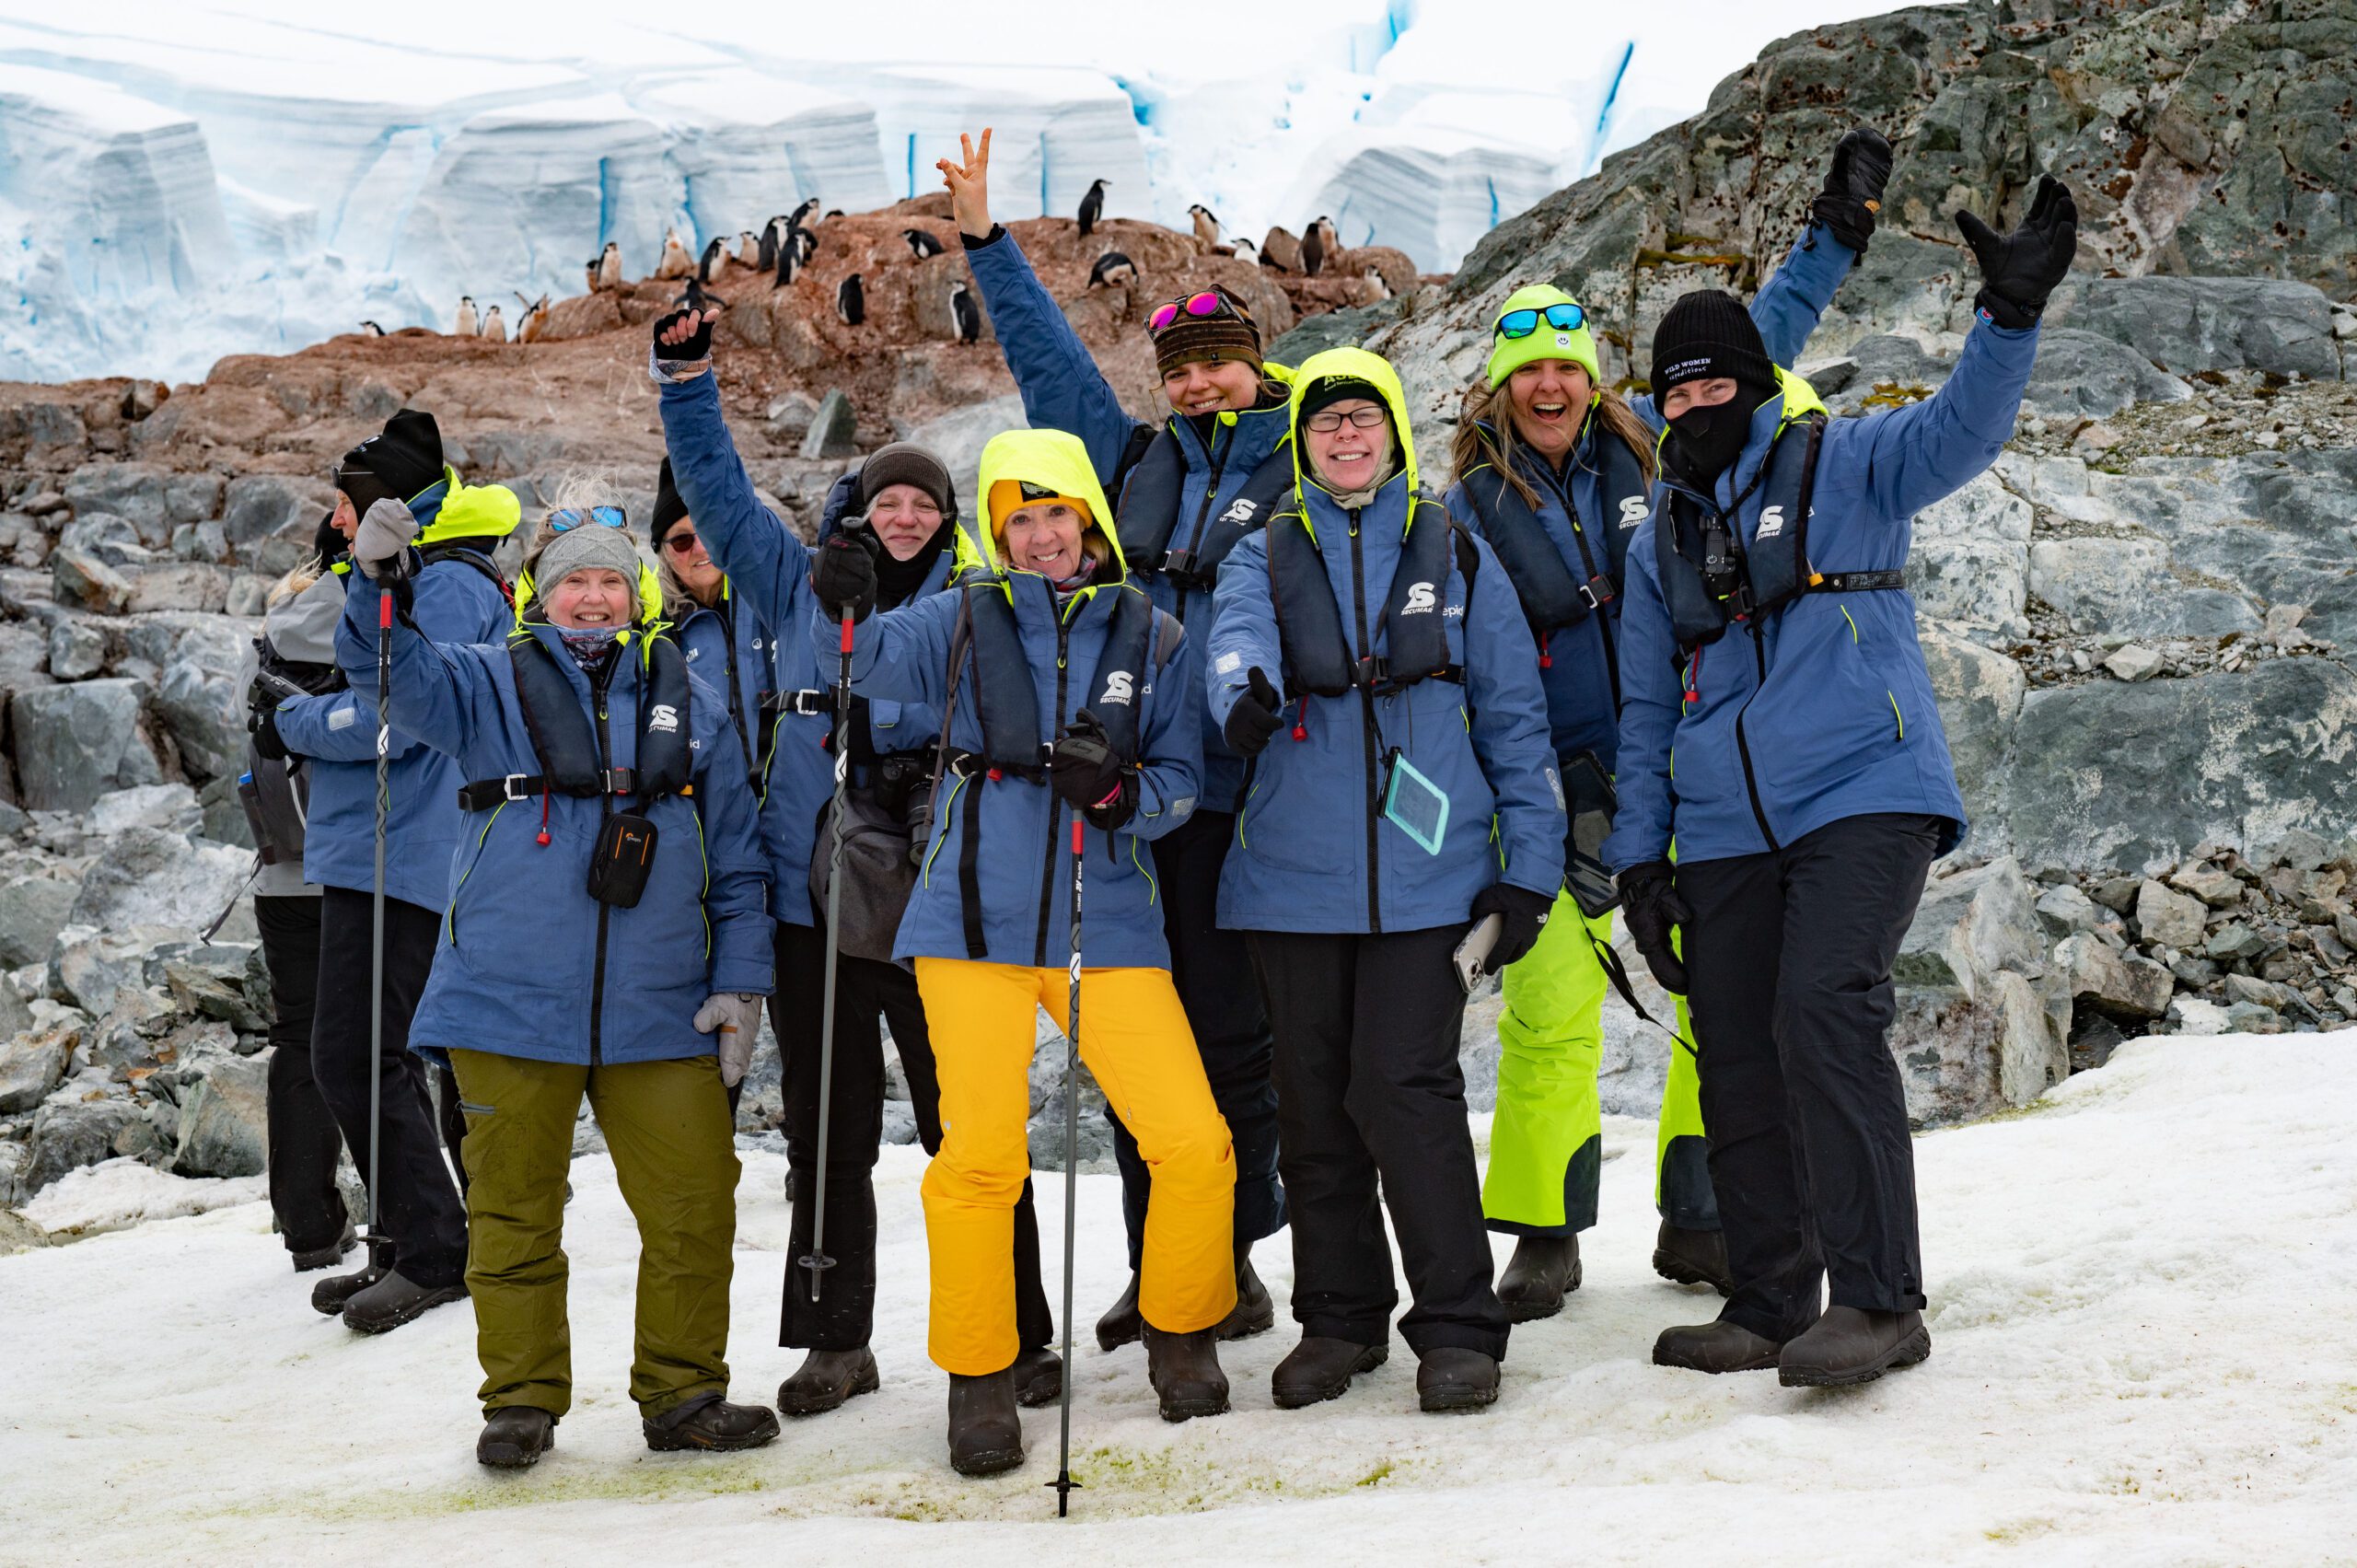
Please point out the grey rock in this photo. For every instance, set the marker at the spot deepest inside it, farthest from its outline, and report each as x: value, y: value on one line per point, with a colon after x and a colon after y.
x: 184, y: 584
x: 2127, y: 585
x: 1974, y: 1034
x: 2122, y: 985
x: 33, y: 909
x: 136, y: 491
x: 2299, y: 850
x: 2185, y: 324
x: 2192, y: 1015
x: 70, y: 1133
x: 227, y: 981
x: 900, y: 1122
x: 834, y: 429
x: 2234, y: 941
x: 2213, y: 886
x: 2093, y: 376
x: 1334, y: 328
x: 97, y: 971
x: 1969, y: 566
x: 2064, y: 910
x: 2117, y: 893
x: 84, y: 579
x: 77, y: 648
x: 76, y: 742
x: 1980, y: 693
x: 32, y: 1064
x: 201, y: 542
x: 249, y: 595
x: 2263, y: 993
x: 105, y: 537
x: 149, y: 878
x: 169, y: 807
x: 2170, y: 917
x: 2131, y: 663
x: 2251, y: 1019
x: 790, y: 417
x: 259, y: 506
x: 957, y: 439
x: 224, y: 1119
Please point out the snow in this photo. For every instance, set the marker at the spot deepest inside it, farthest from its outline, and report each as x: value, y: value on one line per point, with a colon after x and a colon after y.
x: 119, y: 1193
x: 2140, y: 1288
x: 184, y: 181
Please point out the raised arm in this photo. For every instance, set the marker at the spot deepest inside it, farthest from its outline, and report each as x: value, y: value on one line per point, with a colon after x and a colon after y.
x: 901, y: 654
x: 763, y: 558
x: 1509, y: 729
x: 1651, y: 701
x: 442, y: 694
x: 1917, y: 454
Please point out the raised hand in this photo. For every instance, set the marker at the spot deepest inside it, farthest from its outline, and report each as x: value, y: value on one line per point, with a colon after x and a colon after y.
x: 969, y: 184
x: 1853, y: 187
x: 2019, y: 270
x: 685, y: 334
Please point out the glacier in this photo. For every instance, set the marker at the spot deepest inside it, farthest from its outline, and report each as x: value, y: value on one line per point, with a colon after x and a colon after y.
x: 180, y: 182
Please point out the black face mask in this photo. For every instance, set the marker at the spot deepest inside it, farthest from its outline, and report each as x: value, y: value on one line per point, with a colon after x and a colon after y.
x: 1704, y: 442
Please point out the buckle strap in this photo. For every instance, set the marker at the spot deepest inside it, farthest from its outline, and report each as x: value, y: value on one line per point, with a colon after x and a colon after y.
x: 483, y: 794
x: 1373, y: 675
x: 967, y: 765
x: 1857, y: 582
x: 809, y: 703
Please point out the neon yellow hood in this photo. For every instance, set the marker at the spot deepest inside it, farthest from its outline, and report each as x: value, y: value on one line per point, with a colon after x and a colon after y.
x: 1353, y: 365
x: 472, y: 511
x: 1048, y: 457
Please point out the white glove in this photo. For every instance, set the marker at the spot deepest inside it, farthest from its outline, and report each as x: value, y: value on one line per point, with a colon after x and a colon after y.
x: 384, y: 535
x: 738, y: 1018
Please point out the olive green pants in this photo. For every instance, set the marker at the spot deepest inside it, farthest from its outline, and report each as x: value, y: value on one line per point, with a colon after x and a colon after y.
x: 667, y: 1126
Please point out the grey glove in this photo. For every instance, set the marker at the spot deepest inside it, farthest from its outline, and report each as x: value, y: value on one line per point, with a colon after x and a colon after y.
x: 381, y: 545
x: 738, y: 1018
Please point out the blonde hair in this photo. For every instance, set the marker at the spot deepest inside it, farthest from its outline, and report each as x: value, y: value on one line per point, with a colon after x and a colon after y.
x: 1481, y: 439
x: 576, y: 490
x: 295, y: 582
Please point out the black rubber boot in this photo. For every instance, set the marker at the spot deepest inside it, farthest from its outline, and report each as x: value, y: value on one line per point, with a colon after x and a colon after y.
x: 1693, y: 1258
x: 1254, y: 1313
x: 329, y: 1296
x: 1850, y: 1345
x: 514, y: 1436
x: 1038, y: 1377
x: 1121, y: 1325
x: 1184, y: 1370
x: 1544, y: 1270
x: 1451, y: 1380
x: 1718, y: 1346
x: 715, y: 1424
x: 985, y: 1433
x: 395, y: 1300
x: 825, y: 1379
x: 1320, y: 1369
x: 326, y: 1256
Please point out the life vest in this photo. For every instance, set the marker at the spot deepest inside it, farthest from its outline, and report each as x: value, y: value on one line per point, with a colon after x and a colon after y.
x: 1148, y: 517
x: 564, y: 744
x: 1774, y: 569
x: 1552, y: 595
x: 476, y: 559
x: 1317, y: 653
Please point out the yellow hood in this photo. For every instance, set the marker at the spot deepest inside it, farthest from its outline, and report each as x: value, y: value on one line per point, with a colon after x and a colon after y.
x: 1048, y: 457
x: 1353, y: 365
x: 472, y: 511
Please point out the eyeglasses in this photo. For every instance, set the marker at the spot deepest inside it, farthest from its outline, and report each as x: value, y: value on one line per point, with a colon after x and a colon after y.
x: 1327, y: 420
x: 1209, y: 302
x: 569, y: 518
x: 679, y: 542
x: 1522, y: 323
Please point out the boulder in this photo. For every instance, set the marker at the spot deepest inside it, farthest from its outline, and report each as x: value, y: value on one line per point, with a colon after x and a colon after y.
x: 150, y: 877
x: 834, y: 429
x: 2169, y: 918
x: 223, y: 980
x: 84, y: 579
x: 107, y: 537
x: 33, y: 909
x: 2214, y: 888
x: 169, y: 807
x: 137, y: 492
x: 71, y: 1132
x: 1969, y: 567
x: 2093, y: 376
x: 2064, y: 910
x: 180, y: 585
x: 259, y: 506
x: 2188, y: 324
x: 2192, y: 1015
x: 32, y: 1064
x: 1980, y: 693
x: 76, y: 742
x: 96, y: 969
x: 1974, y: 1033
x: 2120, y: 984
x: 2132, y: 663
x: 2126, y: 585
x: 77, y: 648
x: 224, y: 1120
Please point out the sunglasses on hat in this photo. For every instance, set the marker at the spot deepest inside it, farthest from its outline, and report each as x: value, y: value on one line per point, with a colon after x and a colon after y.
x: 1209, y: 302
x: 1522, y: 323
x: 567, y: 518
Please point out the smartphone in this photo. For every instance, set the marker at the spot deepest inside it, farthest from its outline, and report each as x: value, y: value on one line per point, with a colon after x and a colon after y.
x: 1473, y: 954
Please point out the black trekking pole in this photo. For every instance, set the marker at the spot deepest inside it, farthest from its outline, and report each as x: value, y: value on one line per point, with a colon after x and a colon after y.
x: 376, y: 933
x: 816, y: 1260
x: 1064, y: 1483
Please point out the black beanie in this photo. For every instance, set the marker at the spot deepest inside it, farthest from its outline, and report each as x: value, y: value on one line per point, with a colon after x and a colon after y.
x: 668, y: 507
x: 904, y: 462
x: 1706, y: 334
x: 406, y: 458
x: 1340, y: 389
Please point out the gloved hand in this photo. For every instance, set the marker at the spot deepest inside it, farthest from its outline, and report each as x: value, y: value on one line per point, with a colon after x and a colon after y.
x: 1255, y: 717
x: 1085, y: 772
x: 843, y: 574
x: 738, y: 1018
x: 2019, y: 270
x: 684, y: 334
x: 1649, y: 907
x: 1852, y: 192
x: 1525, y: 916
x: 381, y: 547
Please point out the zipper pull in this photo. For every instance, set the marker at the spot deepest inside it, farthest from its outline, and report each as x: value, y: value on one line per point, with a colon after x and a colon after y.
x: 1546, y: 659
x: 1301, y: 719
x: 544, y: 817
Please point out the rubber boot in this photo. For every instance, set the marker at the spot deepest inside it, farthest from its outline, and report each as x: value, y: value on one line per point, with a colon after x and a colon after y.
x: 714, y: 1425
x: 514, y: 1436
x: 1693, y: 1258
x: 825, y: 1379
x: 1121, y: 1324
x: 1254, y: 1312
x: 328, y: 1255
x: 1184, y: 1370
x: 985, y: 1433
x: 330, y: 1294
x: 1450, y: 1379
x: 1038, y: 1377
x: 1320, y: 1369
x: 394, y: 1300
x: 1544, y: 1270
x: 1718, y: 1346
x: 1850, y: 1346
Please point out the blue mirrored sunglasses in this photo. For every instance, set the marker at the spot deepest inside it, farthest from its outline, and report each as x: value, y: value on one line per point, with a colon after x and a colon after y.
x: 570, y: 517
x: 1522, y: 323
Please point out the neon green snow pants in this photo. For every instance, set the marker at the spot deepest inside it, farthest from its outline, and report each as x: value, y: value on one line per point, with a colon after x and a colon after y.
x: 1546, y: 1140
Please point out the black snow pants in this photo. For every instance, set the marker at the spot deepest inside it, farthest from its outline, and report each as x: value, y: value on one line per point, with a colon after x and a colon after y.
x: 302, y: 1139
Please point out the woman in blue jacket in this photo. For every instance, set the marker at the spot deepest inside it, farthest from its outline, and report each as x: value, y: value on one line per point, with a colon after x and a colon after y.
x: 1554, y: 469
x: 722, y: 640
x: 899, y: 503
x: 1071, y: 700
x: 1400, y: 787
x: 605, y: 936
x: 1769, y: 647
x: 1188, y: 490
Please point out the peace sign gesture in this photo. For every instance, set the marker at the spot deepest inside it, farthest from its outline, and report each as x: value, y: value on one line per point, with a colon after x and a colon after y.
x: 969, y: 185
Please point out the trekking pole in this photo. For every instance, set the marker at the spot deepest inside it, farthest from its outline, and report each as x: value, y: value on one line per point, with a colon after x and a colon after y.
x: 816, y: 1260
x: 377, y: 933
x: 1064, y: 1483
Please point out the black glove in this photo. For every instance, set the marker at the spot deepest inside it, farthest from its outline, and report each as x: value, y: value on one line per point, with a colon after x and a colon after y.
x: 843, y: 573
x: 1254, y: 718
x: 1650, y: 906
x: 697, y: 347
x: 1085, y: 772
x: 1526, y: 917
x: 2019, y: 270
x: 1852, y: 192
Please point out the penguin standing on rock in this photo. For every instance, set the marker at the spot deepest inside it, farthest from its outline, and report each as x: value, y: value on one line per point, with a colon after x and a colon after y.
x: 1092, y: 208
x: 714, y: 259
x: 851, y: 300
x: 1113, y: 270
x: 495, y: 331
x: 1206, y: 226
x: 749, y: 249
x: 1313, y: 252
x: 466, y: 326
x: 921, y: 244
x: 698, y: 298
x: 794, y: 220
x: 589, y: 276
x: 535, y: 318
x: 772, y: 233
x: 965, y: 312
x: 783, y: 269
x: 609, y: 268
x: 803, y: 243
x: 1374, y: 274
x: 370, y: 330
x: 676, y: 261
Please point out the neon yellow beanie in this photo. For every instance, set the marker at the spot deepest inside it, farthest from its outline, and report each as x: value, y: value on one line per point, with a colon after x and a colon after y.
x: 1510, y: 354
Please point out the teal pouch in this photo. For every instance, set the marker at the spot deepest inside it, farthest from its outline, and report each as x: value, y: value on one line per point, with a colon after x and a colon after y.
x: 1413, y: 803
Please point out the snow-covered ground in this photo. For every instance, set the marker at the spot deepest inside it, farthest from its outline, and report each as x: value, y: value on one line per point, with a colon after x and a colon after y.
x: 2142, y: 1291
x: 185, y: 179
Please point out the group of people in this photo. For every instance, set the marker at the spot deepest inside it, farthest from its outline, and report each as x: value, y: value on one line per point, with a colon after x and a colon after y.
x: 1310, y: 741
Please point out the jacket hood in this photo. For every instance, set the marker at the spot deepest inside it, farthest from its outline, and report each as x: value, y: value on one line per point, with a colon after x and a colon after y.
x: 465, y: 511
x: 1048, y: 457
x: 1353, y: 365
x: 1796, y: 400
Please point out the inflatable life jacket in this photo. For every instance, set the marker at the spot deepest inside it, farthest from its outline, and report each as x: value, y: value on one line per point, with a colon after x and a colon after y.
x: 1552, y: 595
x: 569, y: 757
x: 1316, y: 651
x: 1150, y: 507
